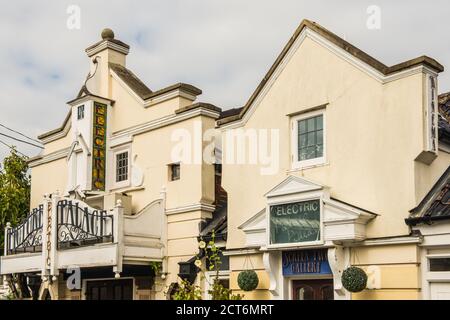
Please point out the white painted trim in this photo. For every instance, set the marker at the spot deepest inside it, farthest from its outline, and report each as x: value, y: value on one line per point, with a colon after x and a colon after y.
x: 71, y: 150
x: 84, y: 144
x: 113, y: 165
x: 194, y: 207
x: 252, y: 219
x: 241, y: 252
x: 387, y: 241
x: 107, y: 45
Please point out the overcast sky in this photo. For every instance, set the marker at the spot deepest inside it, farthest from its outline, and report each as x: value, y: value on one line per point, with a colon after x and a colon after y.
x: 223, y: 47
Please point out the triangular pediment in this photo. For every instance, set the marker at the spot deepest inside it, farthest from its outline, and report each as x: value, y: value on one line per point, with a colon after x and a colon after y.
x: 256, y: 222
x: 293, y: 184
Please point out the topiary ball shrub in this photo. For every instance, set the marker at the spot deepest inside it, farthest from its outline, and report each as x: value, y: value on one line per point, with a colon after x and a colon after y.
x: 354, y: 279
x: 248, y: 280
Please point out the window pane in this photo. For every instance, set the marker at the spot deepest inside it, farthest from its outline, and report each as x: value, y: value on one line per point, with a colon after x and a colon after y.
x: 440, y: 264
x: 122, y: 167
x: 175, y: 172
x: 302, y: 154
x: 80, y: 112
x: 319, y: 122
x: 311, y: 152
x: 311, y: 125
x: 302, y: 126
x: 319, y: 150
x: 311, y: 139
x: 319, y: 137
x: 303, y: 141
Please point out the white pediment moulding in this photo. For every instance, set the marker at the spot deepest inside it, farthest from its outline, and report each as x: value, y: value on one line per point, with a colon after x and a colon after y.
x: 293, y: 185
x: 341, y: 53
x: 341, y: 222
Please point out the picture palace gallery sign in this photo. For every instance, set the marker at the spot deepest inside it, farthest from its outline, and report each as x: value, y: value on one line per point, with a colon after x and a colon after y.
x: 305, y: 262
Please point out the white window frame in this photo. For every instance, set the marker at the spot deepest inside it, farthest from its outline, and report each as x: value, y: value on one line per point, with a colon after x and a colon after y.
x: 115, y: 152
x: 295, y: 162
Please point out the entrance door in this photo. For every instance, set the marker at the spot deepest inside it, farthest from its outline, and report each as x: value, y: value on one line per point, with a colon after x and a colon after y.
x: 110, y: 290
x: 313, y: 289
x: 440, y: 291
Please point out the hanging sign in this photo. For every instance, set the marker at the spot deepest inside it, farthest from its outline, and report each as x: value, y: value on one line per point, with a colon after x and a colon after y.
x: 305, y: 262
x: 99, y: 147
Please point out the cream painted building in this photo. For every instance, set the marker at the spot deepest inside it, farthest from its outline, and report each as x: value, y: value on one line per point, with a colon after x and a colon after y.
x: 336, y: 160
x: 113, y: 197
x: 358, y: 149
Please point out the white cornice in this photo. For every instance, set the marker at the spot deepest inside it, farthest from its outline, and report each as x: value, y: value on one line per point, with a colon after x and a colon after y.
x: 387, y: 241
x: 107, y: 45
x: 194, y: 207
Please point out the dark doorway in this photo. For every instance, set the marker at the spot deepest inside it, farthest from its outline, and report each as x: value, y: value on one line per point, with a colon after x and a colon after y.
x: 313, y: 289
x: 110, y: 290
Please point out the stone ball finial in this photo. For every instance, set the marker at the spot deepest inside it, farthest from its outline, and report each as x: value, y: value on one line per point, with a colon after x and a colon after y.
x: 107, y: 34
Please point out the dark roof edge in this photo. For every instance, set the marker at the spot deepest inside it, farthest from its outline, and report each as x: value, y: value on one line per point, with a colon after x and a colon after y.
x: 131, y: 80
x: 57, y: 130
x: 90, y: 95
x: 188, y: 88
x: 427, y: 219
x: 431, y: 193
x: 199, y: 105
x: 358, y: 53
x: 355, y: 207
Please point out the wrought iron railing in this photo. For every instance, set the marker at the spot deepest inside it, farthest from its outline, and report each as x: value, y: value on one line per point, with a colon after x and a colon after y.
x: 80, y: 226
x: 27, y: 236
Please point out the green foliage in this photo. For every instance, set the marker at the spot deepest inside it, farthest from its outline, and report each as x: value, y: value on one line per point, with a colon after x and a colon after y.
x: 14, y: 191
x: 248, y: 280
x: 354, y: 279
x: 211, y: 253
x: 188, y: 291
x: 156, y: 266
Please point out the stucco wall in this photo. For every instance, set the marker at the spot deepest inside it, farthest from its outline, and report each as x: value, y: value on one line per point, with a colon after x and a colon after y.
x: 47, y: 178
x: 373, y: 135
